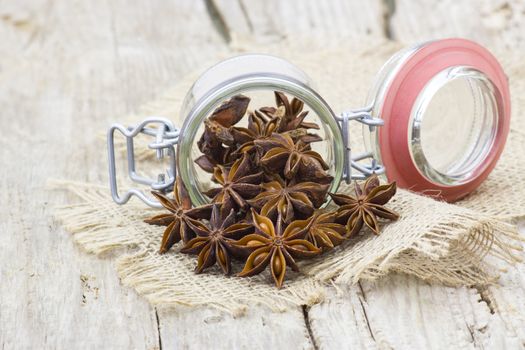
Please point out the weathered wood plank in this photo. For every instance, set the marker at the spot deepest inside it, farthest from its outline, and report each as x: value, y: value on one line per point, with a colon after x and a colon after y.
x: 52, y: 294
x: 341, y: 322
x: 507, y: 300
x: 401, y: 312
x: 68, y: 69
x: 205, y: 328
x: 494, y: 23
x: 321, y: 21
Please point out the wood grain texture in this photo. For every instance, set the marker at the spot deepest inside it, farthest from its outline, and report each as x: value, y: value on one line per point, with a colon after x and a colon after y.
x: 495, y: 23
x: 401, y: 312
x: 69, y: 68
x: 323, y: 21
x: 205, y: 328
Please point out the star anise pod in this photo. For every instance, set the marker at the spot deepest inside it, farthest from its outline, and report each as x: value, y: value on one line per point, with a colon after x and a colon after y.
x: 211, y: 146
x: 290, y: 200
x: 269, y: 245
x: 213, y: 241
x: 217, y: 127
x: 289, y: 114
x: 238, y: 184
x: 324, y: 232
x: 366, y: 206
x: 303, y: 135
x: 206, y: 163
x: 180, y: 210
x: 258, y: 129
x: 294, y: 157
x: 225, y: 156
x: 230, y: 112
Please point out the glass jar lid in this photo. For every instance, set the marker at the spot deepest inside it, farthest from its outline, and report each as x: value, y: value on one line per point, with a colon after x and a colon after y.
x: 446, y: 110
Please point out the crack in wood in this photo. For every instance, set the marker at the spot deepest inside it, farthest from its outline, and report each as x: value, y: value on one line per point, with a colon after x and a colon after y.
x: 309, y: 327
x: 389, y: 8
x: 362, y: 291
x: 474, y: 341
x: 486, y: 297
x: 362, y: 300
x: 246, y: 17
x: 218, y: 21
x: 158, y: 328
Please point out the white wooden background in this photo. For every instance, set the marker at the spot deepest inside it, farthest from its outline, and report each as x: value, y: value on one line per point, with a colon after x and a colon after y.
x: 67, y: 68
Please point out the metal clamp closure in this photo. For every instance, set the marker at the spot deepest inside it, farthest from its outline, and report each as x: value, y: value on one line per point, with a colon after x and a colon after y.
x: 165, y: 135
x: 365, y: 164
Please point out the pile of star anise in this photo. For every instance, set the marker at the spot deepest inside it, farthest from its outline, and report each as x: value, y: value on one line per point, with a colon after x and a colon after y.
x: 265, y: 210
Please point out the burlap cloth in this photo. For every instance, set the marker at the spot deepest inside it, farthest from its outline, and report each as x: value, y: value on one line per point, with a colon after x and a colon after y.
x: 460, y: 244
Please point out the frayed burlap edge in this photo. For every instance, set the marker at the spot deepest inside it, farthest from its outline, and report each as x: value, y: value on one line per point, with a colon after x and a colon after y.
x: 455, y: 251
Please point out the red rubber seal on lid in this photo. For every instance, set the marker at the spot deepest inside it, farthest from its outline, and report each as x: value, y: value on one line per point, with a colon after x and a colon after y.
x: 401, y: 95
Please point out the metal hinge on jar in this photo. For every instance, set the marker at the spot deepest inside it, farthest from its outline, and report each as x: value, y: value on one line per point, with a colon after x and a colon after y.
x: 165, y: 135
x: 364, y: 163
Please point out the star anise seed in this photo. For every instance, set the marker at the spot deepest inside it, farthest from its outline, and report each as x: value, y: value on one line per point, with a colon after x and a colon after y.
x: 217, y: 127
x: 366, y: 206
x: 180, y: 210
x: 269, y: 245
x: 294, y: 158
x: 257, y: 130
x: 231, y: 112
x: 238, y: 184
x: 324, y: 233
x: 289, y: 114
x: 213, y: 241
x: 206, y: 163
x: 290, y: 200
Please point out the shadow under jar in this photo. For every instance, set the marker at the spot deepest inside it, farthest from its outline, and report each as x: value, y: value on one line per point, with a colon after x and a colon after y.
x: 435, y: 121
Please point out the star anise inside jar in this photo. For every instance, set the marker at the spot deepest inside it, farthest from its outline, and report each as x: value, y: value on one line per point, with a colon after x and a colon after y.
x: 288, y: 199
x: 269, y: 187
x: 238, y: 183
x: 293, y: 159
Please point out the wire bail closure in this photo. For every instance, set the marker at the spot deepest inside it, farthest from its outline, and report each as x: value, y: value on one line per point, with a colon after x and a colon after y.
x: 364, y: 163
x: 165, y: 135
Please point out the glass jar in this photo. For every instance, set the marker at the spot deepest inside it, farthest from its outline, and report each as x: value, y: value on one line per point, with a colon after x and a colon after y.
x: 435, y: 121
x: 256, y: 76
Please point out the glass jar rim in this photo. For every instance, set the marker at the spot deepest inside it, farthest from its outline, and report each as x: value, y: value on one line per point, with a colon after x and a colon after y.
x: 472, y: 166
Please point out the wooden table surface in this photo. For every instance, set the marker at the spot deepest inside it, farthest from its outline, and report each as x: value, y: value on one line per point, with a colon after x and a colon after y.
x: 69, y: 68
